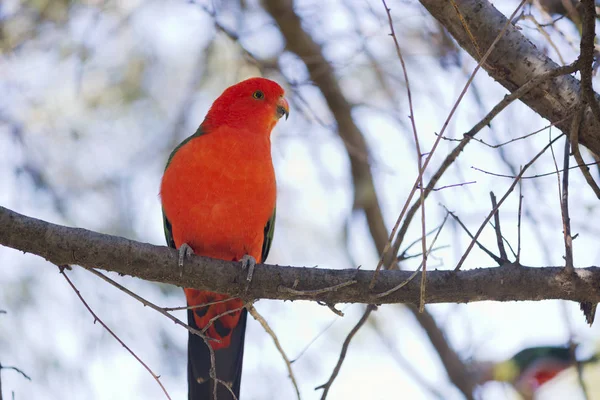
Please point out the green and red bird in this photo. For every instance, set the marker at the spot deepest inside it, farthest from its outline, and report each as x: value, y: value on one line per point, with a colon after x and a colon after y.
x: 530, y: 368
x: 218, y: 199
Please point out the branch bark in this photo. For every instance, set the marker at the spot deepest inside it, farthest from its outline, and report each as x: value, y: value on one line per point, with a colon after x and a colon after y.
x: 514, y: 61
x: 63, y: 245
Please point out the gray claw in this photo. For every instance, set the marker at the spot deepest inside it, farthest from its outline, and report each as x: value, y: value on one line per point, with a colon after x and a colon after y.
x: 184, y: 251
x: 248, y: 262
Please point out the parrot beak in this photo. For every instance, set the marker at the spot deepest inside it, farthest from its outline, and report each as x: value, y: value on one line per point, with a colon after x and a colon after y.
x: 283, y: 108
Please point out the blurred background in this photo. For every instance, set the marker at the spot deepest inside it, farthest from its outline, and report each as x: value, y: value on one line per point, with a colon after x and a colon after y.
x: 94, y: 95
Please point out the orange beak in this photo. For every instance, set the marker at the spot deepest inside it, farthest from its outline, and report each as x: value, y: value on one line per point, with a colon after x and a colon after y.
x: 283, y: 108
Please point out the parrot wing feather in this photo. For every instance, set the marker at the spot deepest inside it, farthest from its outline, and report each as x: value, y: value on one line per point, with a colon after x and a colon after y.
x: 269, y: 233
x: 166, y: 224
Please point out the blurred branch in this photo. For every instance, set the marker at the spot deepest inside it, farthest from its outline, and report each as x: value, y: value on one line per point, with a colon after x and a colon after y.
x: 263, y: 322
x: 110, y: 331
x: 407, y: 365
x: 14, y: 369
x: 458, y: 374
x: 586, y: 58
x: 63, y: 245
x: 514, y: 61
x: 299, y: 42
x: 321, y: 72
x: 419, y: 164
x: 327, y: 385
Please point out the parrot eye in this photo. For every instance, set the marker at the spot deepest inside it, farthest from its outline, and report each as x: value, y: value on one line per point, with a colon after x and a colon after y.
x: 258, y: 95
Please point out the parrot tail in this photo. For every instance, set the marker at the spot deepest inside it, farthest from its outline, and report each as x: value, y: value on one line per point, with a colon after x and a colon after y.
x: 229, y: 332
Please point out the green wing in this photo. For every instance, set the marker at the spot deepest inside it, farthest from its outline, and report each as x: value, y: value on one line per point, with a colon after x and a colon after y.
x: 166, y: 224
x: 168, y: 232
x: 525, y: 358
x: 269, y: 232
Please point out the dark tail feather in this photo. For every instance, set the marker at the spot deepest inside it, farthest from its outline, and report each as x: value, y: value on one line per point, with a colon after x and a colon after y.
x: 228, y: 364
x: 589, y: 310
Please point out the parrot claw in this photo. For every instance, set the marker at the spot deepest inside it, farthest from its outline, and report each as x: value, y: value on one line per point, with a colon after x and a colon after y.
x: 184, y: 251
x: 248, y: 262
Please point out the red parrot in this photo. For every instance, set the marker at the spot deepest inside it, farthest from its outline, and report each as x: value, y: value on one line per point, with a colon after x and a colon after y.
x: 218, y: 199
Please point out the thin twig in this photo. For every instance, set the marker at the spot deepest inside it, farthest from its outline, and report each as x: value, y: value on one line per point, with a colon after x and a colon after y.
x: 224, y: 313
x: 206, y: 339
x: 198, y: 305
x: 150, y: 304
x: 518, y: 258
x: 401, y: 285
x: 517, y: 94
x: 494, y: 257
x: 565, y: 204
x: 531, y: 176
x: 96, y: 318
x: 505, y: 240
x: 498, y: 230
x: 419, y: 162
x: 14, y: 369
x: 331, y: 307
x: 305, y: 349
x: 438, y: 139
x: 327, y: 385
x: 409, y: 256
x: 496, y: 146
x: 271, y: 333
x: 510, y: 189
x: 17, y: 370
x: 403, y: 256
x: 451, y: 186
x: 545, y: 34
x: 586, y: 56
x: 316, y: 291
x: 563, y: 215
x: 580, y: 163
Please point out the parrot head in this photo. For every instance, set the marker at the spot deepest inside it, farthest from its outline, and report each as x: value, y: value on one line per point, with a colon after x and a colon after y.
x: 255, y: 104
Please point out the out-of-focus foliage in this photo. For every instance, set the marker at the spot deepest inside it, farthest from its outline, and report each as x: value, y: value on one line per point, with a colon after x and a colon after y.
x: 95, y: 94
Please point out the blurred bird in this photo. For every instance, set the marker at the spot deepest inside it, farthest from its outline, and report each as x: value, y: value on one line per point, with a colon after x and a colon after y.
x: 529, y: 369
x: 218, y: 199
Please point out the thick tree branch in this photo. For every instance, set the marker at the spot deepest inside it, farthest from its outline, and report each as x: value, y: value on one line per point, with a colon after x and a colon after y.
x: 514, y: 61
x: 63, y: 245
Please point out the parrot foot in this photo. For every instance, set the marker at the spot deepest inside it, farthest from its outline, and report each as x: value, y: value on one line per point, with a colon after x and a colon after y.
x: 248, y: 262
x: 184, y: 251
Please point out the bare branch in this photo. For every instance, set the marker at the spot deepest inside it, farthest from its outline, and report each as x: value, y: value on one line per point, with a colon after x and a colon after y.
x: 494, y: 257
x: 450, y: 158
x: 518, y: 257
x: 499, y: 240
x: 63, y: 245
x: 514, y: 61
x: 327, y: 385
x: 458, y: 374
x: 118, y: 339
x: 263, y: 322
x: 565, y: 208
x: 495, y: 209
